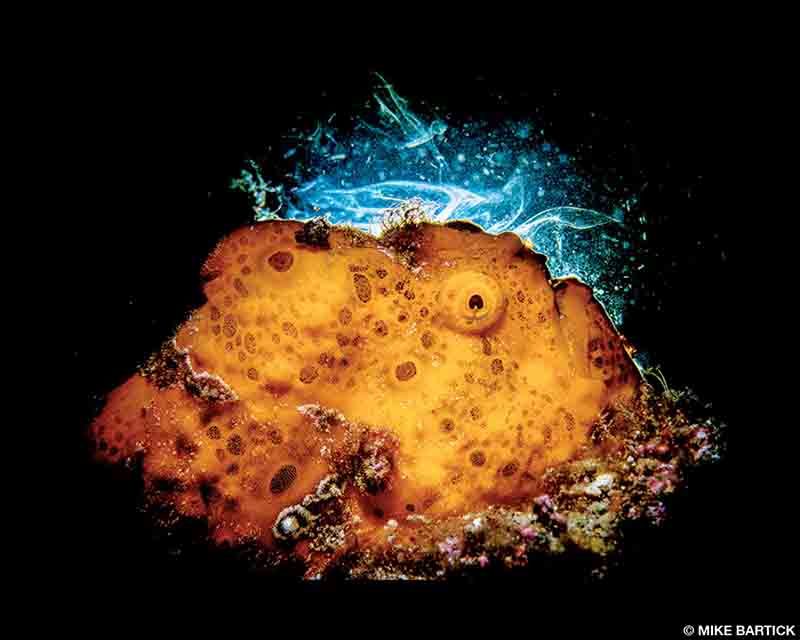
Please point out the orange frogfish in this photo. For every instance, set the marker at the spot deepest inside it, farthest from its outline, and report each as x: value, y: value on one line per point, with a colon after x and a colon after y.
x: 374, y: 404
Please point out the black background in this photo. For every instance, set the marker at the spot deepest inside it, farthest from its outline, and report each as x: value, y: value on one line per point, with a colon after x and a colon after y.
x: 134, y: 255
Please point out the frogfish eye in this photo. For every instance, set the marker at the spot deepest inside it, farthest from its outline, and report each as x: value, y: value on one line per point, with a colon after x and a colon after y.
x: 475, y: 301
x: 472, y: 302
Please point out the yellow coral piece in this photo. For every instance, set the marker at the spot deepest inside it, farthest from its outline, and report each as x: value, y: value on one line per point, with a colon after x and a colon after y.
x: 439, y: 369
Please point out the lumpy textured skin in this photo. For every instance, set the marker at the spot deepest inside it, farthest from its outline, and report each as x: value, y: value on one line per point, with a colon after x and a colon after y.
x: 431, y: 372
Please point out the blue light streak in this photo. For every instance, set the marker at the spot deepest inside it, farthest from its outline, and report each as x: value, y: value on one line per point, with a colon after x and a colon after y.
x: 504, y: 176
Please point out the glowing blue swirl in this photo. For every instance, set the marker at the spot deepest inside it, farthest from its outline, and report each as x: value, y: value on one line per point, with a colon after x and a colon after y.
x: 502, y: 176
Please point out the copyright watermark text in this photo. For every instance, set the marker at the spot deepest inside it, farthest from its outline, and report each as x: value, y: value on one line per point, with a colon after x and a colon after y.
x: 740, y: 630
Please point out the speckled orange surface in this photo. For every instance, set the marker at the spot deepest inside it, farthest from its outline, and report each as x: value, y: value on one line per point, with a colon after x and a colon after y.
x: 431, y: 372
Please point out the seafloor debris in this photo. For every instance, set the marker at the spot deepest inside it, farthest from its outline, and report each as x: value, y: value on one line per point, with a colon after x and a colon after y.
x: 412, y: 406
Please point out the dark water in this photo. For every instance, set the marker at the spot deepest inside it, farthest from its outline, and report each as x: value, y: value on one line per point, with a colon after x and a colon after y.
x: 136, y: 266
